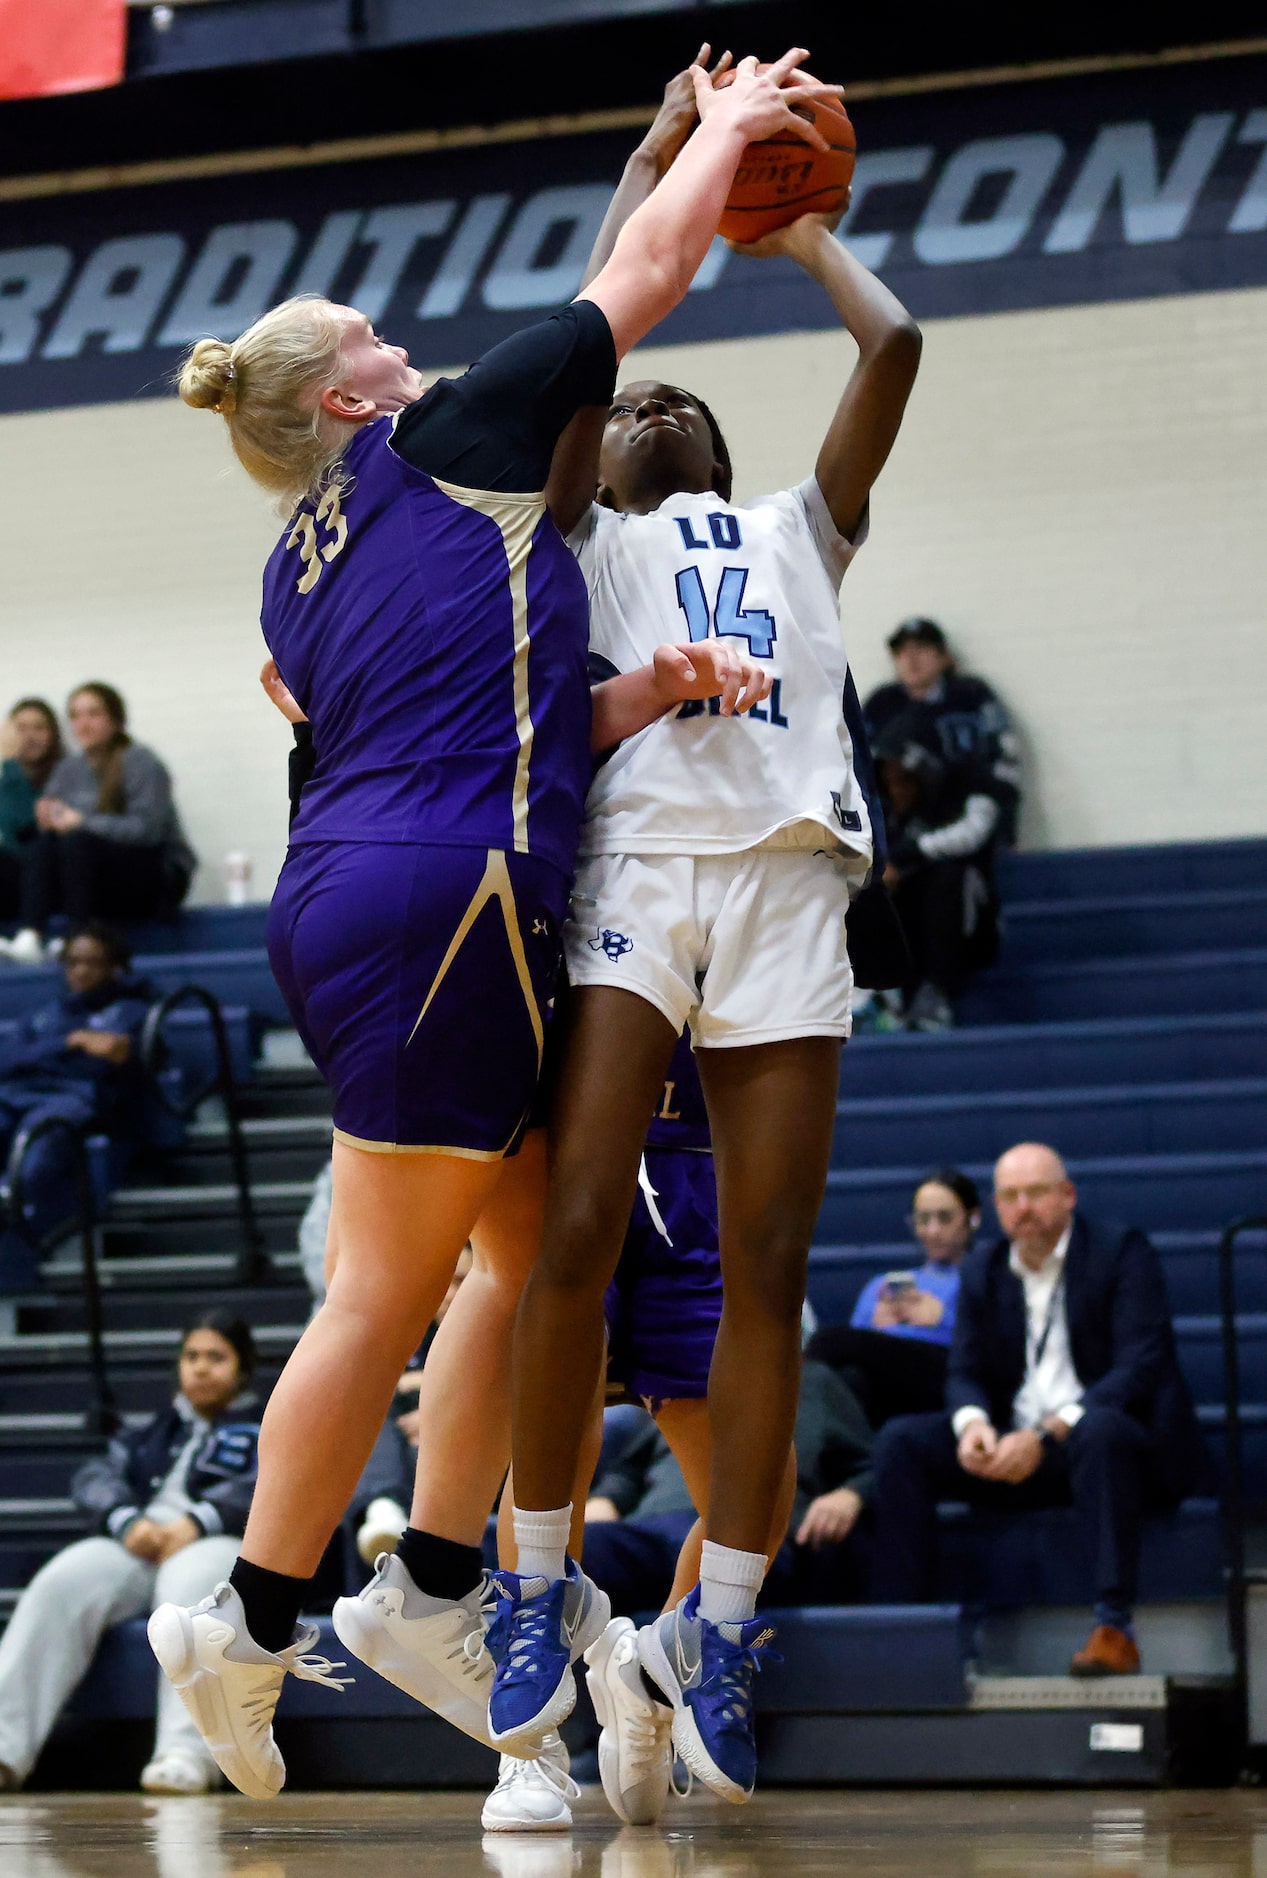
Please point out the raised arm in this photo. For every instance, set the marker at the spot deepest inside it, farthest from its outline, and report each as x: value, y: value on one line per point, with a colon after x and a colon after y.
x: 654, y: 158
x: 574, y: 470
x: 658, y: 250
x: 869, y: 414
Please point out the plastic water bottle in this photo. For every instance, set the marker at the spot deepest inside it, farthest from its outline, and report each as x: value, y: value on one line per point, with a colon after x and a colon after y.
x: 237, y: 878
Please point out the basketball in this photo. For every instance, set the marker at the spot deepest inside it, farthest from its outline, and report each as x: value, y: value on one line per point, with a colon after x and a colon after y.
x: 782, y: 178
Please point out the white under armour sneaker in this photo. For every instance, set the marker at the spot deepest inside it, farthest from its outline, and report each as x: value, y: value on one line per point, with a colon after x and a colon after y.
x: 230, y: 1685
x: 432, y: 1648
x: 635, y: 1748
x: 532, y: 1796
x: 180, y: 1773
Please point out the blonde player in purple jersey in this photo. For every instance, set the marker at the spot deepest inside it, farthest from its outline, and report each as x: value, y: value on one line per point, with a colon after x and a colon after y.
x: 425, y: 613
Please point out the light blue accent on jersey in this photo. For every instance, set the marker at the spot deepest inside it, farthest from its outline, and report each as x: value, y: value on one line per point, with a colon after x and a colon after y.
x: 728, y: 619
x: 757, y: 626
x: 693, y: 602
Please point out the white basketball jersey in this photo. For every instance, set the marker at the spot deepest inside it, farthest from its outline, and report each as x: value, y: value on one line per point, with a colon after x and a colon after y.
x: 767, y: 572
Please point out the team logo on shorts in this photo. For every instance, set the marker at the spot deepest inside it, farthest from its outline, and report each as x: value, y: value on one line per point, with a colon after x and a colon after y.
x: 614, y: 944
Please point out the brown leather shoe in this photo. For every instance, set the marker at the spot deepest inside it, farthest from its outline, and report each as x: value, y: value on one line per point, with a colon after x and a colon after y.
x: 1107, y: 1652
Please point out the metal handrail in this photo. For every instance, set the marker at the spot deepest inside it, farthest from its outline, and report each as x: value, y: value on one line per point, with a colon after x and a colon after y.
x: 103, y: 1416
x: 1234, y: 1497
x: 252, y: 1265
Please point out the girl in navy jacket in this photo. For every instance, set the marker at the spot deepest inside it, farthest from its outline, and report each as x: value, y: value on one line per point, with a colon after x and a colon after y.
x: 169, y: 1502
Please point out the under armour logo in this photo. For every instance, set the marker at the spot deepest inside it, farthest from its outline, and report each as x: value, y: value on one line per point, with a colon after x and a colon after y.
x: 540, y: 926
x: 614, y: 944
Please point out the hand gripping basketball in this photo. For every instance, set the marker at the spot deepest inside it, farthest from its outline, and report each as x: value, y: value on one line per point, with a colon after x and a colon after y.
x: 778, y: 180
x: 760, y: 102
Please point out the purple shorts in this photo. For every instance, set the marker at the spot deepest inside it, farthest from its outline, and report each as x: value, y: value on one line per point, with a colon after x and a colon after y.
x: 664, y: 1304
x: 418, y: 977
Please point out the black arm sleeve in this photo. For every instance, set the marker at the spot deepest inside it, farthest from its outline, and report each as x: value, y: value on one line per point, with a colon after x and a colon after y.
x: 302, y: 762
x: 497, y: 425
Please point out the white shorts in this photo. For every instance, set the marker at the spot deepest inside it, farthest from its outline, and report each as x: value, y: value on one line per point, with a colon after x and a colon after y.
x: 749, y: 947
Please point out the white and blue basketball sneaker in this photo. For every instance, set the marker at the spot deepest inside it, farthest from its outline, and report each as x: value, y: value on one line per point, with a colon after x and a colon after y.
x: 538, y: 1633
x: 705, y: 1670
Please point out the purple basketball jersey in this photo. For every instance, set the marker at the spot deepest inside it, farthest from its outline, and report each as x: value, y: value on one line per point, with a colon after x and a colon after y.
x: 436, y: 637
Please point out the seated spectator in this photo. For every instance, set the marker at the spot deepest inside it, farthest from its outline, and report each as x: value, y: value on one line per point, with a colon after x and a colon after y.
x: 35, y: 744
x: 959, y: 715
x: 379, y: 1512
x: 640, y: 1511
x: 892, y: 1352
x: 314, y: 1229
x: 109, y: 842
x: 942, y: 819
x: 170, y: 1503
x: 76, y: 1057
x: 1064, y: 1388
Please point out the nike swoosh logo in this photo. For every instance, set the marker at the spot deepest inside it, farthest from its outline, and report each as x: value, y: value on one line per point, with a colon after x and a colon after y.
x: 685, y: 1669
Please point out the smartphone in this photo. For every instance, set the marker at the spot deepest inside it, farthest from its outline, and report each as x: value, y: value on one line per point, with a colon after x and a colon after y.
x: 896, y: 1283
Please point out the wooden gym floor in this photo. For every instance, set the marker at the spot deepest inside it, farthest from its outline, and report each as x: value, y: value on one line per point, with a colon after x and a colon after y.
x: 905, y: 1835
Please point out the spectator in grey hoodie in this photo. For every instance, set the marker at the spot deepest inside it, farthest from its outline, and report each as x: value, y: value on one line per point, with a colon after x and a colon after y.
x: 109, y: 842
x: 168, y: 1502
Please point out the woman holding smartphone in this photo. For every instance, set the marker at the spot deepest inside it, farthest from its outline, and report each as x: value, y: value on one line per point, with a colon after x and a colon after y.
x: 892, y: 1352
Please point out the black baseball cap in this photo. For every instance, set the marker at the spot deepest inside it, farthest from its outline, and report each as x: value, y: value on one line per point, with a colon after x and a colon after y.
x: 925, y: 632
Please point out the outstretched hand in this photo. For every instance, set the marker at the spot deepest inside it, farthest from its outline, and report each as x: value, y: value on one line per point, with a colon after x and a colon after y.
x: 710, y: 668
x: 678, y: 114
x: 761, y: 103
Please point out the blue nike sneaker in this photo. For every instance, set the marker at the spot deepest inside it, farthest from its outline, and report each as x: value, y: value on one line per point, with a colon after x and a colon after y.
x: 538, y: 1633
x: 706, y: 1671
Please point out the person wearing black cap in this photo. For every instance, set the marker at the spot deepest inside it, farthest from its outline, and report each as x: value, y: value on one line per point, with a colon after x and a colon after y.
x: 959, y: 717
x: 942, y: 817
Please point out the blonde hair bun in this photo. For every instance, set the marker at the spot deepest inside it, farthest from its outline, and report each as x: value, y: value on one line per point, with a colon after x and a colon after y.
x: 267, y: 386
x: 207, y: 378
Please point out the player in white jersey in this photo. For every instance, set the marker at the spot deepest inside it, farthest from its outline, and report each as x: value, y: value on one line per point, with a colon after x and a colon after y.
x: 717, y: 860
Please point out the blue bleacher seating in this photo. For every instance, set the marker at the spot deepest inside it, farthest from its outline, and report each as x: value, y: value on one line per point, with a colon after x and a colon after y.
x: 1126, y: 1022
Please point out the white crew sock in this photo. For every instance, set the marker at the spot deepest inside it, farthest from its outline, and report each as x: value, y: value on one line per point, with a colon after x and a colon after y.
x: 542, y: 1541
x: 728, y: 1583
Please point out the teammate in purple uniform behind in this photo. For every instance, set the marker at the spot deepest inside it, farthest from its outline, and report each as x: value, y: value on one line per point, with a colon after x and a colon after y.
x: 424, y: 612
x: 663, y: 1308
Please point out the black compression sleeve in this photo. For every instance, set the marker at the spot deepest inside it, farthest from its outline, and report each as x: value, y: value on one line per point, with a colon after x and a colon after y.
x: 496, y: 426
x: 303, y: 760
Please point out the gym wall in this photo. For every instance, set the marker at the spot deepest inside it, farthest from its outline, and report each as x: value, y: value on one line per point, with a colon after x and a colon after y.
x: 1076, y: 494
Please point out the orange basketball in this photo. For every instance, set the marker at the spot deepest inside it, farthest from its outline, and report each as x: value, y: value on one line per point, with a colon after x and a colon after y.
x: 782, y: 178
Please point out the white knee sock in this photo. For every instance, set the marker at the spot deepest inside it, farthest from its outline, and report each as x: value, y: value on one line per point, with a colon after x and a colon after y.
x: 542, y: 1539
x: 728, y: 1583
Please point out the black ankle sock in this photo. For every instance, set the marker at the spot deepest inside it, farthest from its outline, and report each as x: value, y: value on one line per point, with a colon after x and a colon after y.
x: 271, y: 1600
x: 440, y: 1567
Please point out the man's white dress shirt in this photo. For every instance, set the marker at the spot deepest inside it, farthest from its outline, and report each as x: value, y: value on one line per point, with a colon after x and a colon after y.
x: 1051, y: 1385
